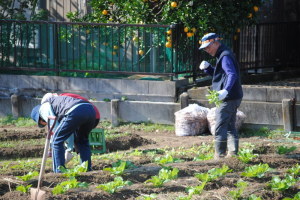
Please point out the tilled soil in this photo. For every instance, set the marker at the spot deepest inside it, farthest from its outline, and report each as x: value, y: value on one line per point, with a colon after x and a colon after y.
x: 151, y: 141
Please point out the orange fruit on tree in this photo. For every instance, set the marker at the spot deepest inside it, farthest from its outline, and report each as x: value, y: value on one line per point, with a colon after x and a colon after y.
x: 135, y: 39
x: 194, y: 30
x: 255, y: 8
x: 169, y: 32
x: 169, y: 38
x: 186, y: 29
x: 116, y: 47
x: 238, y: 30
x: 250, y: 15
x: 141, y: 52
x: 173, y: 4
x: 104, y: 12
x: 168, y: 44
x: 190, y: 34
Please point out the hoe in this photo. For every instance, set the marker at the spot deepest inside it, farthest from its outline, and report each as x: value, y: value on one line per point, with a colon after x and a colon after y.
x: 37, y: 193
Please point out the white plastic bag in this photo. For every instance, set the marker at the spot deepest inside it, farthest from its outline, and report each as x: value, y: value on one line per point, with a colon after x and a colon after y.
x: 211, y: 118
x: 191, y: 120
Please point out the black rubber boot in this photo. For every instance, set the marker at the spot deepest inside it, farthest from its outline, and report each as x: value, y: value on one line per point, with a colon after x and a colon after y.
x: 220, y: 149
x: 232, y: 146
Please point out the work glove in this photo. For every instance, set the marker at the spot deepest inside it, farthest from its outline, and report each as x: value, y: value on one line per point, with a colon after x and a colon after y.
x: 204, y: 65
x: 222, y: 94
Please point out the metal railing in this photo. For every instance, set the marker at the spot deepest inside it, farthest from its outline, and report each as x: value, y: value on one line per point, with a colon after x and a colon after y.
x: 66, y: 48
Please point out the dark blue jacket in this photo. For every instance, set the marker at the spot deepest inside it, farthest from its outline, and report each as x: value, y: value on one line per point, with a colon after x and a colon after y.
x: 61, y: 105
x: 220, y: 78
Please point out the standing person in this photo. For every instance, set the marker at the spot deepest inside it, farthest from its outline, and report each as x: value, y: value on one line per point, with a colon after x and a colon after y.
x: 75, y: 116
x: 226, y: 81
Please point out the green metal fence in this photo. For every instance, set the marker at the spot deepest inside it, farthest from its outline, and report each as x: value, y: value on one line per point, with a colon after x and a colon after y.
x: 91, y: 50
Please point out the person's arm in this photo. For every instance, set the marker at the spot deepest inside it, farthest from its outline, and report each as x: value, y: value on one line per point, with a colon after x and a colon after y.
x: 209, y: 70
x: 229, y: 68
x: 45, y: 111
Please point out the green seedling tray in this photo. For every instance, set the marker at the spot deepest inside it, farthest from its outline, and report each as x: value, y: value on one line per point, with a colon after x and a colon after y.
x: 97, y: 141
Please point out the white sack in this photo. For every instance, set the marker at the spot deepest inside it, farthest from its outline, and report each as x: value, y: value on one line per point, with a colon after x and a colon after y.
x: 191, y: 120
x: 211, y: 118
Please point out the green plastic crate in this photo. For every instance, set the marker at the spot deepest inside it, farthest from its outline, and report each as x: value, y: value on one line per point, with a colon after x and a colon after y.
x: 97, y: 141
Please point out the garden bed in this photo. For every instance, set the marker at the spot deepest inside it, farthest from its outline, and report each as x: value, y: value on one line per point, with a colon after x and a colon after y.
x: 146, y: 150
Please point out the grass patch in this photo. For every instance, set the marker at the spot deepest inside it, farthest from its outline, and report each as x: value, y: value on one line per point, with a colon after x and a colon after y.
x: 18, y: 122
x: 18, y: 143
x: 261, y: 132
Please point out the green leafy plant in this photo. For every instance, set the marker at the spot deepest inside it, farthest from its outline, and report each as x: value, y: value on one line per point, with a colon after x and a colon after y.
x: 166, y: 159
x: 278, y: 184
x: 213, y: 97
x: 213, y: 174
x: 74, y: 172
x: 147, y: 197
x: 246, y: 155
x: 107, y: 100
x: 164, y: 176
x: 206, y: 156
x: 254, y: 197
x: 241, y: 186
x: 285, y: 149
x: 296, y: 197
x: 119, y: 167
x: 256, y: 170
x: 113, y: 186
x: 295, y: 170
x: 28, y: 176
x: 23, y: 188
x: 67, y: 185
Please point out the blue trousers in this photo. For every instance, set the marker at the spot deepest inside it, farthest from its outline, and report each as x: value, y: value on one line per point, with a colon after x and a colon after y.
x: 225, y: 127
x: 82, y: 118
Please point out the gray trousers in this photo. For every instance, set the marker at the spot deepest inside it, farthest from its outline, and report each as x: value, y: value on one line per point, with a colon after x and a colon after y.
x: 225, y: 127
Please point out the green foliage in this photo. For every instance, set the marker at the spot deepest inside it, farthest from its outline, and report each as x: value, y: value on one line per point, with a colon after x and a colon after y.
x: 254, y: 197
x: 147, y: 197
x: 295, y: 170
x: 213, y: 174
x: 23, y: 188
x: 28, y: 176
x: 285, y: 149
x: 119, y: 167
x: 296, y: 197
x: 256, y: 170
x: 166, y: 159
x: 19, y: 122
x: 164, y: 176
x: 206, y: 16
x: 278, y: 184
x: 241, y: 186
x: 112, y: 186
x: 246, y: 155
x: 213, y: 97
x: 201, y: 157
x: 74, y: 172
x: 67, y: 185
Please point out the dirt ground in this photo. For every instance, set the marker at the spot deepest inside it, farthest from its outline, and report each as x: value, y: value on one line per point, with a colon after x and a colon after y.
x: 157, y: 141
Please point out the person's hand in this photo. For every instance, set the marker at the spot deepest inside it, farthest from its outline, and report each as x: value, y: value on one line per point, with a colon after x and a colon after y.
x: 222, y: 94
x: 204, y: 65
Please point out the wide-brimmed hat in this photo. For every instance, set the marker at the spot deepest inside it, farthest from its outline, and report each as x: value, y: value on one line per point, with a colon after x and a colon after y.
x: 35, y: 115
x: 207, y: 39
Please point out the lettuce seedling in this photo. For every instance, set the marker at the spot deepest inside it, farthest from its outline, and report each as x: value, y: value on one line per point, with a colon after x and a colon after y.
x: 246, y: 155
x: 213, y: 174
x: 241, y: 186
x: 113, y: 186
x: 278, y: 184
x: 66, y: 185
x: 256, y: 170
x: 295, y: 170
x: 119, y: 167
x: 164, y: 176
x: 213, y: 97
x: 23, y: 188
x: 285, y: 150
x: 74, y: 172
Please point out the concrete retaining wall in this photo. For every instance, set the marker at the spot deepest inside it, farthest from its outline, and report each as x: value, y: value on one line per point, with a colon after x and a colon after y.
x: 91, y: 88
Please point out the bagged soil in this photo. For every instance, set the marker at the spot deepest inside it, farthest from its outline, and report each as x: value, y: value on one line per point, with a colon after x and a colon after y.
x: 211, y: 118
x: 191, y: 120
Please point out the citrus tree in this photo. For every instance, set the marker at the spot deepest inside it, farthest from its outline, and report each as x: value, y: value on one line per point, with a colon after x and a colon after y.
x: 196, y: 16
